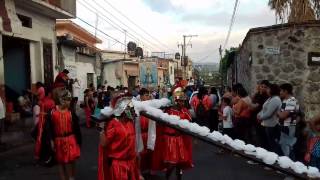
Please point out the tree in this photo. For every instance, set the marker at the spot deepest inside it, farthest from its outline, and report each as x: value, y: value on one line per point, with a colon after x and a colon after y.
x: 226, y: 61
x: 295, y: 11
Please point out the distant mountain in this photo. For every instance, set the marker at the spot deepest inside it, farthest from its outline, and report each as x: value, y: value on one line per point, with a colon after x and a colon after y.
x: 207, y: 67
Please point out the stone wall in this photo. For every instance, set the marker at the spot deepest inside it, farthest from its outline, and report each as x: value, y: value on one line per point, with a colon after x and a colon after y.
x: 288, y: 63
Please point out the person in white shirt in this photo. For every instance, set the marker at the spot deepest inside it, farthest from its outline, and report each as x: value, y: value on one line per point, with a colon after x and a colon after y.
x: 287, y: 116
x: 2, y: 117
x: 76, y: 88
x: 227, y: 117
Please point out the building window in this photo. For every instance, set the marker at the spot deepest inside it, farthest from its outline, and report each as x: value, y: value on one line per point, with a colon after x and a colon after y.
x: 25, y: 21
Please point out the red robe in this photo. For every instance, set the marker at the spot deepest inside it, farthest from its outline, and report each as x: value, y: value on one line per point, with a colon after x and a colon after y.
x: 177, y: 146
x: 157, y: 163
x: 146, y: 154
x: 66, y: 147
x: 118, y: 160
x: 46, y: 105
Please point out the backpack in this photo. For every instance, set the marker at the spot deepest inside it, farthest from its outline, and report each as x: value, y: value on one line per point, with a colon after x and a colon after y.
x: 201, y: 110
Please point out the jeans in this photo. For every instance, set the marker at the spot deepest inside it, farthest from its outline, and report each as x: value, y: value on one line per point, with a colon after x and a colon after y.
x: 287, y: 140
x: 273, y: 136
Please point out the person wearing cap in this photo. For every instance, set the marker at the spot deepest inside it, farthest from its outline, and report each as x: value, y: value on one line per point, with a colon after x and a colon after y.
x: 117, y: 153
x: 177, y: 150
x: 64, y: 141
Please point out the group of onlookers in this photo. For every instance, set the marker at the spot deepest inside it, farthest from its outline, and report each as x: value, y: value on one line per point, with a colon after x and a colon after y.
x: 270, y: 118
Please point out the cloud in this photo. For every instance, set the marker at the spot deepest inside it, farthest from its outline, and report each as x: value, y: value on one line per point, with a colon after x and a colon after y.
x: 260, y: 17
x: 159, y: 5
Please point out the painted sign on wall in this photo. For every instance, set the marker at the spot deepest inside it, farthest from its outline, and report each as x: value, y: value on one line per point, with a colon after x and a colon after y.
x: 273, y: 50
x: 148, y: 74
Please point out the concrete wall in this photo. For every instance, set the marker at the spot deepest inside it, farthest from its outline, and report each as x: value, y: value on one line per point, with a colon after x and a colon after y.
x: 132, y: 67
x: 43, y: 30
x: 112, y: 73
x: 289, y: 65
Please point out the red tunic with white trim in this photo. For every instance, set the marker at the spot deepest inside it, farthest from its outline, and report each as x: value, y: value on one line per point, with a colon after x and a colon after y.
x: 177, y: 147
x: 118, y: 160
x: 66, y: 148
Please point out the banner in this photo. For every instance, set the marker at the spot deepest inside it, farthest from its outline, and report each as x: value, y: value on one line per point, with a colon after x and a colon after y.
x: 148, y: 74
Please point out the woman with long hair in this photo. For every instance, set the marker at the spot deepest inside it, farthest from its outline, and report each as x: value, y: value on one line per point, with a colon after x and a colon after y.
x: 242, y: 114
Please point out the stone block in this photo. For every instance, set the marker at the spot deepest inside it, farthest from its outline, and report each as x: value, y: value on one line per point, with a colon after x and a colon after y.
x: 284, y: 76
x: 270, y: 77
x: 258, y: 55
x: 269, y: 41
x: 286, y: 53
x: 287, y: 68
x: 256, y: 69
x: 299, y: 64
x: 259, y: 77
x: 314, y: 77
x: 266, y: 69
x: 296, y: 81
x: 259, y: 39
x: 260, y: 61
x: 276, y: 71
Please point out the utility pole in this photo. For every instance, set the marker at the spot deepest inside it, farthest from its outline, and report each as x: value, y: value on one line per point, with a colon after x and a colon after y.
x: 125, y: 43
x: 221, y: 73
x: 183, y: 57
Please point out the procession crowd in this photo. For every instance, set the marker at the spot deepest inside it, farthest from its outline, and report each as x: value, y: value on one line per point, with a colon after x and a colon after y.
x: 270, y: 118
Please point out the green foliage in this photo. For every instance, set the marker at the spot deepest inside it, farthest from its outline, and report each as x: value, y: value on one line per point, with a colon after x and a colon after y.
x: 226, y: 61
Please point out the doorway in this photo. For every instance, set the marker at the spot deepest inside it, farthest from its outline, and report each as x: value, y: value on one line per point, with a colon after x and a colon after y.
x: 16, y: 55
x: 131, y: 82
x: 90, y: 77
x: 47, y: 64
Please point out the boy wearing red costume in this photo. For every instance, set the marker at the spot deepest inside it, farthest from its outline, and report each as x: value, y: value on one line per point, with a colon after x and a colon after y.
x: 177, y: 148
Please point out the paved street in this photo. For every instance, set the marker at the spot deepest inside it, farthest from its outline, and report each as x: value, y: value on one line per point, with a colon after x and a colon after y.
x: 18, y: 164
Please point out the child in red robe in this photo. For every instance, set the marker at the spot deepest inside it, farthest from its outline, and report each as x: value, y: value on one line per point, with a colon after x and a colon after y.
x: 41, y: 148
x: 177, y: 150
x: 117, y: 153
x: 64, y: 141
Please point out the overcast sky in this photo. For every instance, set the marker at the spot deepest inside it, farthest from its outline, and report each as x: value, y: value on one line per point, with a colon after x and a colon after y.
x: 168, y: 20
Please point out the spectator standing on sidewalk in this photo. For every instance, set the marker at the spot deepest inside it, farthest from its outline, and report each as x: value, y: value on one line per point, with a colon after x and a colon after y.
x: 227, y: 117
x: 287, y: 115
x: 2, y: 117
x: 201, y: 105
x: 270, y: 120
x: 259, y: 98
x: 242, y: 114
x: 213, y: 121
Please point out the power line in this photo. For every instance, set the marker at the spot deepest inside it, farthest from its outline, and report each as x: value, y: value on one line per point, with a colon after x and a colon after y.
x: 231, y: 23
x: 113, y: 24
x: 154, y: 45
x: 116, y: 40
x: 150, y: 43
x: 137, y: 25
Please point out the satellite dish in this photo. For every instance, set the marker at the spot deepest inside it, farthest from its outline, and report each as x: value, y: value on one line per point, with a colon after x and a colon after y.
x: 69, y: 37
x: 177, y: 56
x: 139, y: 52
